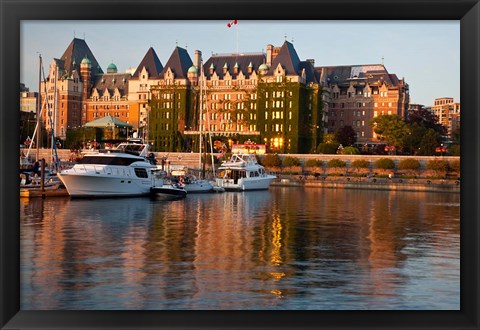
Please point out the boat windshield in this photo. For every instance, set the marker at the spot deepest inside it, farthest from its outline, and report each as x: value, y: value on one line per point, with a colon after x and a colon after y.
x: 135, y: 149
x: 120, y: 161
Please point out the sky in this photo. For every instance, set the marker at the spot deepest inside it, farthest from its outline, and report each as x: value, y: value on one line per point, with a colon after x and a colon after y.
x: 425, y: 53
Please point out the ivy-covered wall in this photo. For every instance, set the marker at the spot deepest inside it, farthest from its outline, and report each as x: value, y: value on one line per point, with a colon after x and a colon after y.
x: 170, y: 115
x: 289, y: 116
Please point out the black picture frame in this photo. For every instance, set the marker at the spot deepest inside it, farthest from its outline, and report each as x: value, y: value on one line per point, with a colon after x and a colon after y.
x: 13, y: 11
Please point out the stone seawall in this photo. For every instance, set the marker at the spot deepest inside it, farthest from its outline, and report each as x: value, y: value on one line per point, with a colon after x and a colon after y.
x: 192, y: 159
x: 423, y: 185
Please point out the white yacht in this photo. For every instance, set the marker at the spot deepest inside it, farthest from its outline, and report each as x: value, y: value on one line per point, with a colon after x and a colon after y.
x: 242, y: 172
x: 182, y: 176
x: 124, y: 171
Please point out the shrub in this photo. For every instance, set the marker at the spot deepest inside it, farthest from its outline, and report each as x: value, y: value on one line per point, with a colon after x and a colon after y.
x: 291, y: 161
x: 313, y: 163
x: 336, y: 163
x: 385, y: 164
x: 271, y: 160
x: 360, y: 163
x: 327, y: 148
x: 437, y: 165
x: 350, y: 151
x: 454, y: 150
x: 409, y: 164
x: 454, y: 166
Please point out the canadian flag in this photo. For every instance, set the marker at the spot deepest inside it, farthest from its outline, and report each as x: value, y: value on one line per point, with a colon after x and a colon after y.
x: 230, y: 24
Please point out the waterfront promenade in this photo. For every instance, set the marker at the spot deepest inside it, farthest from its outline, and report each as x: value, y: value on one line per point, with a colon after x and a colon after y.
x: 325, y: 181
x: 398, y: 184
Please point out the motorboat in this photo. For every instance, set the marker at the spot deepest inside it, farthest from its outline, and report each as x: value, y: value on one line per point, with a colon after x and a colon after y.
x: 164, y: 187
x: 242, y: 172
x: 124, y: 171
x: 168, y: 191
x: 184, y: 177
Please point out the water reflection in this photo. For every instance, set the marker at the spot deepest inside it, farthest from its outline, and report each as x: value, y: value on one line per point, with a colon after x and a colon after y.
x: 285, y: 248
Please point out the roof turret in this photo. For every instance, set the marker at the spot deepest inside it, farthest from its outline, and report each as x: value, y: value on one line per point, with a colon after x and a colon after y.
x: 112, y: 68
x: 86, y: 61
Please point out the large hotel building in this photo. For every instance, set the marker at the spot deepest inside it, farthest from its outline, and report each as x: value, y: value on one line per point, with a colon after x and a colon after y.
x: 271, y: 97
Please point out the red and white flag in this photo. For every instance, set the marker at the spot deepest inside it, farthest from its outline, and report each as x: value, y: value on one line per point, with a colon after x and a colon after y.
x: 230, y: 24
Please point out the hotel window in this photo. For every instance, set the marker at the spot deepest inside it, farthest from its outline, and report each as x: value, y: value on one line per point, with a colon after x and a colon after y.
x: 389, y: 112
x: 266, y: 94
x: 341, y: 114
x: 363, y: 123
x: 375, y: 113
x: 266, y: 127
x: 341, y: 123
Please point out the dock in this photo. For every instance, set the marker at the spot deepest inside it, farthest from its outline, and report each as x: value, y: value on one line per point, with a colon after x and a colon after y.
x: 32, y: 193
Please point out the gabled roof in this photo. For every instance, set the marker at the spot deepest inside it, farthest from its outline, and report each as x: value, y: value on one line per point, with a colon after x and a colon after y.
x: 75, y: 52
x: 179, y: 62
x: 111, y: 82
x: 288, y: 59
x: 242, y: 61
x: 310, y: 73
x: 108, y: 121
x: 373, y: 74
x: 151, y: 63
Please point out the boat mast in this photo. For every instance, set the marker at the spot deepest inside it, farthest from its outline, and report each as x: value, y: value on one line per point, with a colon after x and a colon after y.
x: 210, y: 140
x: 39, y: 102
x: 200, y: 119
x: 54, y: 121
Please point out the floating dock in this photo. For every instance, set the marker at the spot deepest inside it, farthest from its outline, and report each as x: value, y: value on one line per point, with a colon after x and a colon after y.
x: 31, y: 193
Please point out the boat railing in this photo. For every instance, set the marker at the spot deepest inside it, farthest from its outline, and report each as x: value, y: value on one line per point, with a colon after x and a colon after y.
x: 99, y: 169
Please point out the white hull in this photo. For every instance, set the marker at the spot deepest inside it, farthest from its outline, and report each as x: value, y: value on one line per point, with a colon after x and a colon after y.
x: 200, y: 186
x: 256, y: 183
x: 89, y: 185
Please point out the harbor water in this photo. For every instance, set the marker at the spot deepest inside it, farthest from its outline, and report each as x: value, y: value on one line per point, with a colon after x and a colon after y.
x: 287, y: 248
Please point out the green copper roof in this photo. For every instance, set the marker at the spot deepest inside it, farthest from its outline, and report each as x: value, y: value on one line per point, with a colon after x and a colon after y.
x: 112, y: 68
x: 263, y: 67
x: 86, y: 61
x: 192, y: 69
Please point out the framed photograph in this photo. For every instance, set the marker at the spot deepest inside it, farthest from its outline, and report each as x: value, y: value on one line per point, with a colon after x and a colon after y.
x: 258, y: 262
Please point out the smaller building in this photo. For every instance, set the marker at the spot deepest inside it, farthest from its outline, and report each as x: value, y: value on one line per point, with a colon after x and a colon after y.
x: 28, y: 101
x: 448, y: 113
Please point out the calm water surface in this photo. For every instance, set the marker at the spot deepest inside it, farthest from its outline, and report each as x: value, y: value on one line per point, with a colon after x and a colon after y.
x: 285, y: 248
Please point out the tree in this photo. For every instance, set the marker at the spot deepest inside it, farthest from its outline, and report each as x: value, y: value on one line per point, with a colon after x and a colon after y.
x: 391, y: 129
x: 414, y: 138
x: 427, y: 119
x: 346, y: 136
x: 329, y: 138
x: 430, y: 141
